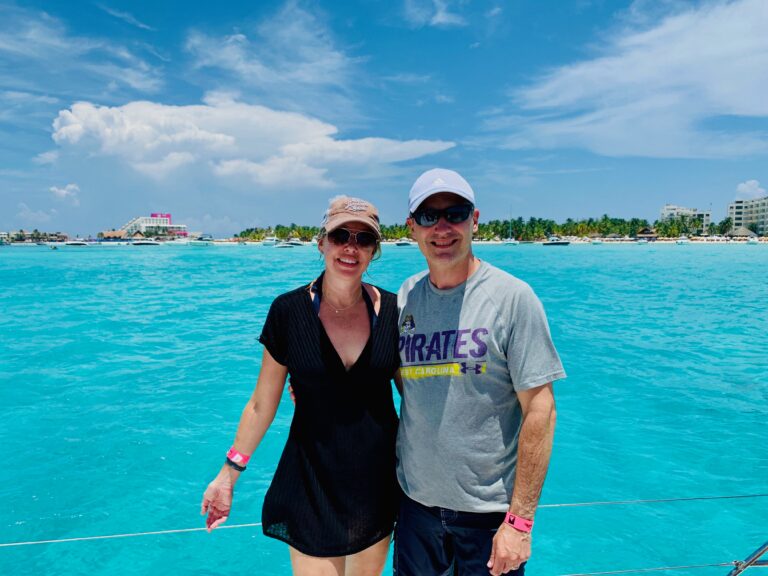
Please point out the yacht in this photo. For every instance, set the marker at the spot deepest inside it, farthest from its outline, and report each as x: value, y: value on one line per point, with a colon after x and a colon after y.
x: 510, y: 242
x: 753, y: 240
x: 641, y: 241
x: 683, y: 240
x: 555, y: 241
x: 270, y: 241
x: 76, y: 242
x: 146, y: 242
x: 202, y: 240
x: 404, y: 242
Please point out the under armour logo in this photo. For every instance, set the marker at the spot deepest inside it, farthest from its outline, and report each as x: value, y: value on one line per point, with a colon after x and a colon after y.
x: 478, y: 368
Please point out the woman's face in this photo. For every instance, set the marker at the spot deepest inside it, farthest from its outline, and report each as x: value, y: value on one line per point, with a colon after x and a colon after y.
x: 348, y: 259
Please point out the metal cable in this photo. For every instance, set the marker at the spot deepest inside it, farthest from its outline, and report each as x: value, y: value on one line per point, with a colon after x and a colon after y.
x: 657, y: 569
x: 574, y: 504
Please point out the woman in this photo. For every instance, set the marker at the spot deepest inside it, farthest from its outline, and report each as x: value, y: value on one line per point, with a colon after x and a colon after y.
x: 334, y: 494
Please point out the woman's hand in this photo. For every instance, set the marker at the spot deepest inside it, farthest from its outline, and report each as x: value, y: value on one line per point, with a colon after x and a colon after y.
x: 217, y: 502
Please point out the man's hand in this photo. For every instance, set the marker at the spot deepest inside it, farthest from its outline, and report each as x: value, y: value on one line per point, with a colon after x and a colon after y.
x: 217, y: 502
x: 511, y: 548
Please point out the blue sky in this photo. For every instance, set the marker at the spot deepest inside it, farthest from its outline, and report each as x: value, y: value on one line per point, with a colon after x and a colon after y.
x: 238, y: 114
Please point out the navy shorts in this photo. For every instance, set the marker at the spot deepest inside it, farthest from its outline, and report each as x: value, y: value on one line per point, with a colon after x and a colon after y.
x: 442, y: 542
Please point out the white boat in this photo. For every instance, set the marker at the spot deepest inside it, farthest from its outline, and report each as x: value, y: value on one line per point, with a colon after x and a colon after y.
x: 204, y: 240
x: 76, y: 242
x: 556, y: 241
x: 404, y: 242
x: 598, y: 241
x: 510, y: 242
x: 294, y: 242
x: 682, y: 240
x: 753, y: 240
x: 284, y: 245
x: 146, y: 242
x: 641, y: 241
x: 270, y: 241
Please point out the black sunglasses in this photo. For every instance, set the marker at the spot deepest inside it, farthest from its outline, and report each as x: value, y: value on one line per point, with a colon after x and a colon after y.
x: 452, y: 214
x: 341, y: 236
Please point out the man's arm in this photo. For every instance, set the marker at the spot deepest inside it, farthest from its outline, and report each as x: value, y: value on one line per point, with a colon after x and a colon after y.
x: 512, y: 547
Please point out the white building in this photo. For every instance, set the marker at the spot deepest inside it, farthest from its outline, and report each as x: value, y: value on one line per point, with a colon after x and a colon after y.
x: 671, y: 211
x: 157, y: 223
x: 747, y: 212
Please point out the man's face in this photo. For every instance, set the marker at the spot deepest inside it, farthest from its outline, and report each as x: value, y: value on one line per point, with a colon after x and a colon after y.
x: 445, y: 244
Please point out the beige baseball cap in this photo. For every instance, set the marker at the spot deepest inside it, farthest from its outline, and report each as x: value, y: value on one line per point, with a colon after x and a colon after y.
x: 345, y: 209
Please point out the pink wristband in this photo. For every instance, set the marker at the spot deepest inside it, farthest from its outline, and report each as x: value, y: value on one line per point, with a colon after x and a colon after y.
x: 238, y: 457
x: 518, y: 523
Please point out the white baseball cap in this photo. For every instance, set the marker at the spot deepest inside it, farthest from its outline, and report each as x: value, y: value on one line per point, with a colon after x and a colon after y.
x: 435, y: 181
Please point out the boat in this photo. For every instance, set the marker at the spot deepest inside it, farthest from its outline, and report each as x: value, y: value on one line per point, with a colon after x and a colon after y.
x: 598, y: 241
x: 146, y: 242
x: 682, y: 240
x: 270, y: 241
x: 753, y: 240
x: 76, y: 242
x: 555, y: 241
x: 641, y: 241
x: 294, y: 242
x: 511, y: 240
x: 282, y: 244
x: 202, y: 240
x: 404, y: 242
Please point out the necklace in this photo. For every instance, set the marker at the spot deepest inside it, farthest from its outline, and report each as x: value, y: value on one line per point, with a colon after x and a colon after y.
x: 337, y: 310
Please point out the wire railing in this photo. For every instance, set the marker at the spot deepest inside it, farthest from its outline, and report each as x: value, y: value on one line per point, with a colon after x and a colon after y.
x: 739, y: 566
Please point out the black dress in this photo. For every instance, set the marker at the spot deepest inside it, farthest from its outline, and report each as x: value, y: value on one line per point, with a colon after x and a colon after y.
x: 335, y: 490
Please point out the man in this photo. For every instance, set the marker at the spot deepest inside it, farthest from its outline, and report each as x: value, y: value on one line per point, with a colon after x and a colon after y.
x: 478, y: 412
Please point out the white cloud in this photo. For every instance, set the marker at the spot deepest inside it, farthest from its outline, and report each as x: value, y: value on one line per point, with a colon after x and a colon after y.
x: 228, y: 138
x: 653, y: 90
x: 48, y: 157
x: 443, y: 99
x: 437, y: 13
x: 68, y: 192
x: 495, y: 11
x: 125, y: 17
x: 30, y: 217
x: 163, y: 167
x: 749, y: 190
x: 290, y: 60
x: 39, y: 54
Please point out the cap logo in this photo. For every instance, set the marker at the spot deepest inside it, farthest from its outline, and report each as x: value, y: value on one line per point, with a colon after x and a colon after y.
x: 356, y: 206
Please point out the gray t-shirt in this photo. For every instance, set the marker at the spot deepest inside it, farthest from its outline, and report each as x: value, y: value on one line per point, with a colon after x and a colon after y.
x: 464, y: 353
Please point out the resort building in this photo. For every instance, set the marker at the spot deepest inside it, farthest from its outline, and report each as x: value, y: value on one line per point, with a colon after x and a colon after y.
x: 672, y: 211
x: 750, y: 212
x: 156, y: 224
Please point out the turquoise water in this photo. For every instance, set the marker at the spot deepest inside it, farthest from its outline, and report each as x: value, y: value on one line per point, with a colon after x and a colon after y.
x: 123, y: 372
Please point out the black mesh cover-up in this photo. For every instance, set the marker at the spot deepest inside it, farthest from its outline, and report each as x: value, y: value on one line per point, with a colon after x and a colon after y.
x: 335, y: 490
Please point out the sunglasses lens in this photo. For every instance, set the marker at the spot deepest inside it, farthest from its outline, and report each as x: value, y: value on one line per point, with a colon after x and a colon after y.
x: 426, y: 217
x: 340, y: 236
x: 365, y: 239
x: 456, y: 214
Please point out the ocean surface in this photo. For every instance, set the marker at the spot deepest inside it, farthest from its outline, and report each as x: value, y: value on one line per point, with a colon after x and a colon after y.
x: 123, y: 372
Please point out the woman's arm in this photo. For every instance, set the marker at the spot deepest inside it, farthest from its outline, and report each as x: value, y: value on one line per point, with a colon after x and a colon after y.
x: 254, y: 422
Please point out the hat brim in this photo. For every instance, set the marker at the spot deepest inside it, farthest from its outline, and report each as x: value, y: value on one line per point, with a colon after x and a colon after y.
x: 419, y: 200
x: 338, y: 220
